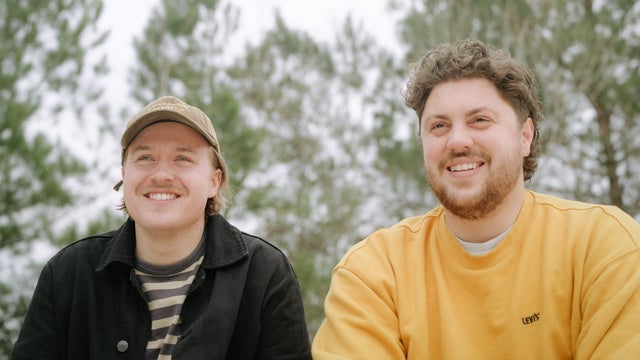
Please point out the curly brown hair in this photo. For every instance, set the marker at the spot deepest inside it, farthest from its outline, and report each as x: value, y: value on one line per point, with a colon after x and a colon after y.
x: 473, y: 59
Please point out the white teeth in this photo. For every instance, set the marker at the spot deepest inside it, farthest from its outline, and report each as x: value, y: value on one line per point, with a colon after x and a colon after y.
x: 463, y: 167
x: 155, y: 196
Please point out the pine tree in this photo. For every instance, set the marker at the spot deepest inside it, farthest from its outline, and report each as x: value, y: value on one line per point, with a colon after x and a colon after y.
x: 44, y: 45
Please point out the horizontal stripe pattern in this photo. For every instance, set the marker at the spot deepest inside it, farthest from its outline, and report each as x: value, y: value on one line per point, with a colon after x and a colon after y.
x: 165, y: 293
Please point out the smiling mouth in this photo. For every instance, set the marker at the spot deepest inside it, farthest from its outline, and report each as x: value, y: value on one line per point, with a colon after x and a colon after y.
x: 161, y: 196
x: 463, y: 167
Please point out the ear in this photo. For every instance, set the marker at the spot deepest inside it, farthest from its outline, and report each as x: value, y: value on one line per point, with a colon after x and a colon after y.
x: 216, y: 180
x: 527, y: 137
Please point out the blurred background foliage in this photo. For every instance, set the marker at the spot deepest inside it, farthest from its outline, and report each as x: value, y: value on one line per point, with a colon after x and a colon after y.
x: 320, y: 147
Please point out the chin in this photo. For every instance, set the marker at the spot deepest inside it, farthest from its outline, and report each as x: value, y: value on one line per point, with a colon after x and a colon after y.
x: 470, y: 205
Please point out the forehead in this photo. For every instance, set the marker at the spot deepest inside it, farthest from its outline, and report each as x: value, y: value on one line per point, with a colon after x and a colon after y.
x: 464, y: 90
x: 463, y: 97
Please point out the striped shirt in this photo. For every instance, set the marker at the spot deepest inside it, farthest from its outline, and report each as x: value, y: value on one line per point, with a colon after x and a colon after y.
x: 164, y: 289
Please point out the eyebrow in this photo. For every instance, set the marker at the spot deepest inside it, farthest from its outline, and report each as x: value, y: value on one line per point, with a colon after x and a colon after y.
x: 426, y: 116
x: 147, y: 148
x: 140, y: 148
x: 468, y: 113
x: 480, y: 109
x: 184, y: 149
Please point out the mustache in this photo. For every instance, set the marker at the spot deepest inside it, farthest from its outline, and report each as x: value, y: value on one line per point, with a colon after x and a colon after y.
x: 461, y: 154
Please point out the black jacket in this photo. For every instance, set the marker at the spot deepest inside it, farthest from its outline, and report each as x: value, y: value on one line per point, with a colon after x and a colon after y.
x: 244, y: 303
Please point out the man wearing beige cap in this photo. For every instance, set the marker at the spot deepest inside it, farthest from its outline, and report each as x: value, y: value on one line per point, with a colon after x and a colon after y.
x: 176, y: 280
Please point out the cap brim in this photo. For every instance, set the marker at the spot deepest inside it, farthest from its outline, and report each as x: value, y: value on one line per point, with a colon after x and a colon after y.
x: 137, y: 125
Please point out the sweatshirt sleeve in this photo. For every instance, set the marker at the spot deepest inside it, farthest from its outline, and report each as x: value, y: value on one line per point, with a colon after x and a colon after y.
x: 360, y: 322
x: 611, y: 311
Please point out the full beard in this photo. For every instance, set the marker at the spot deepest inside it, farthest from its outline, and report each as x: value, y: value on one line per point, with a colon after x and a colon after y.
x: 498, y: 186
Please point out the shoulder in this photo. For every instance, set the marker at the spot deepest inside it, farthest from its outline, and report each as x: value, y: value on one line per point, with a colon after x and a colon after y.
x: 258, y: 246
x: 88, y: 248
x: 394, y: 243
x: 594, y: 237
x: 562, y: 204
x: 595, y: 218
x: 228, y: 245
x: 79, y: 259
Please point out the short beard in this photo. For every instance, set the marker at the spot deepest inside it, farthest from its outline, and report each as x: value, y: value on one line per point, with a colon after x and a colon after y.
x: 496, y: 189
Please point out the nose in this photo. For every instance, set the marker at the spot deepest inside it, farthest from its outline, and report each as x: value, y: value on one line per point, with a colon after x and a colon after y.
x: 162, y: 173
x: 459, y: 139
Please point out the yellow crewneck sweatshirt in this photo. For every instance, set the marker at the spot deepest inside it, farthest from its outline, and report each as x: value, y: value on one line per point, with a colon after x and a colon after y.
x: 564, y: 283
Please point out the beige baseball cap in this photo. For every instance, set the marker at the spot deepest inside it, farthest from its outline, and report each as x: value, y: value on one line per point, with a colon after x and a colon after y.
x: 170, y: 108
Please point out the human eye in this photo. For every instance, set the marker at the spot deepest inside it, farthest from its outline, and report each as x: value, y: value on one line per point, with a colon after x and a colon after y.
x: 184, y: 158
x: 481, y: 121
x: 437, y: 127
x: 144, y: 157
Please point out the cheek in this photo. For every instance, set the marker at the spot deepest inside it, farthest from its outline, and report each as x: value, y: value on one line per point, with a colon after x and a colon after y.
x: 128, y: 185
x: 429, y: 150
x: 131, y: 178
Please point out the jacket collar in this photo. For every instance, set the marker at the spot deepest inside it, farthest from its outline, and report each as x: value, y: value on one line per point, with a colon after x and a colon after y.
x: 224, y: 245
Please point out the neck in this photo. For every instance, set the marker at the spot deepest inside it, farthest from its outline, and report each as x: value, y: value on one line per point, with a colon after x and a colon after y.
x: 165, y: 247
x: 492, y: 224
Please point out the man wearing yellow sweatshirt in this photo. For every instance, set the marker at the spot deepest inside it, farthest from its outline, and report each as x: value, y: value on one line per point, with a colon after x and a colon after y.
x: 496, y: 271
